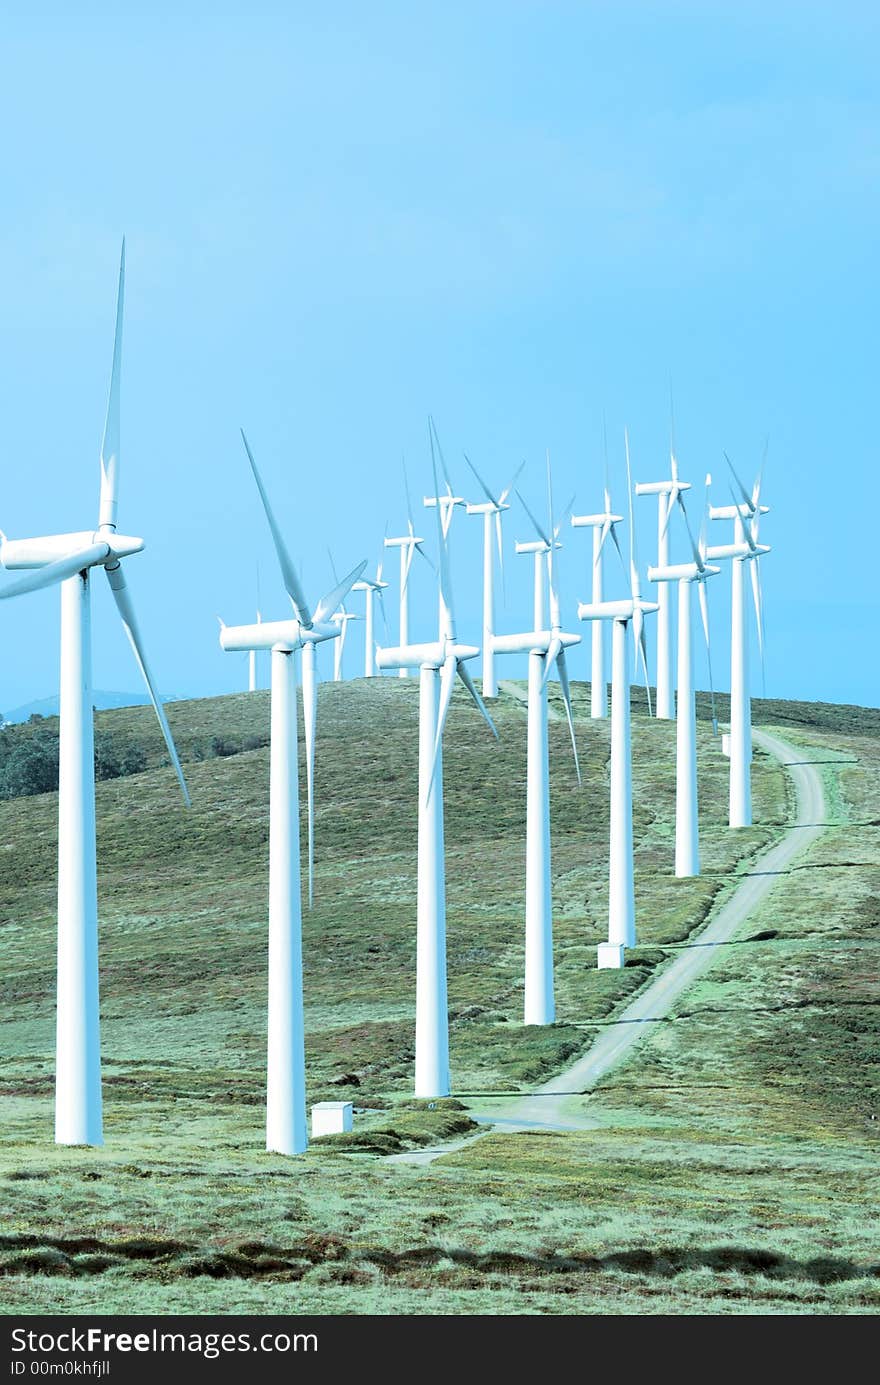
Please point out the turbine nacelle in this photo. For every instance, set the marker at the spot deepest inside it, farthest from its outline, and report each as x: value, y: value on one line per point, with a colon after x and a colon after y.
x: 404, y: 541
x: 369, y: 584
x: 285, y: 635
x: 615, y: 610
x: 743, y: 512
x: 485, y: 507
x: 433, y: 654
x: 682, y: 572
x: 670, y: 487
x: 738, y: 550
x: 535, y: 546
x: 18, y: 554
x: 534, y: 642
x: 594, y: 521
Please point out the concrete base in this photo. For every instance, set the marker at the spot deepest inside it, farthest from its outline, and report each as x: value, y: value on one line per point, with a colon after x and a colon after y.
x: 331, y: 1118
x: 610, y: 955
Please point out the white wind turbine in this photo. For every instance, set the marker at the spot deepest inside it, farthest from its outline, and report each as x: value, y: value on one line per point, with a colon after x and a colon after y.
x: 286, y: 1131
x: 69, y: 559
x: 621, y: 893
x: 409, y: 544
x: 602, y: 526
x: 341, y: 617
x: 370, y: 586
x: 491, y: 509
x: 746, y: 516
x: 687, y: 575
x: 545, y: 649
x: 439, y: 663
x: 667, y: 493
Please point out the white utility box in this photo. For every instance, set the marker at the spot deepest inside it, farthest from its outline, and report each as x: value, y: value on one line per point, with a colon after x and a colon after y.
x: 331, y: 1117
x: 610, y: 955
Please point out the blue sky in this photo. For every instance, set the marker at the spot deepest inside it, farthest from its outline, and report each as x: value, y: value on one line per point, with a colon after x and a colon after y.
x: 519, y: 216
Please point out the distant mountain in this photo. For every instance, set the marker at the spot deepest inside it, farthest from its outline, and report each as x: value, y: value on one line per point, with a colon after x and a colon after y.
x: 48, y: 706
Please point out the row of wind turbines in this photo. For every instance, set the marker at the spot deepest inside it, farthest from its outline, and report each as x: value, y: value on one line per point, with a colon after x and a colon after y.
x: 69, y: 560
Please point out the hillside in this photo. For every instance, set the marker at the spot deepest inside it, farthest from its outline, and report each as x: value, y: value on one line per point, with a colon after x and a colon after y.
x: 183, y: 936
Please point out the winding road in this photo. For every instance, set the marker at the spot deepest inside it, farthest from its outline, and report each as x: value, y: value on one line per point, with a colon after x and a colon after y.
x: 558, y: 1104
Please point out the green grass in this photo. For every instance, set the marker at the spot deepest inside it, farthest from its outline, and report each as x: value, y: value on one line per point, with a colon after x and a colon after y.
x: 730, y: 1169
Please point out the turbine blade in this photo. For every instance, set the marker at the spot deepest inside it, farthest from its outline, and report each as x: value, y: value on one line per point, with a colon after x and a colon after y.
x: 482, y: 484
x: 553, y: 650
x: 633, y: 554
x: 747, y: 499
x: 329, y: 603
x: 511, y: 483
x: 607, y: 526
x: 704, y: 612
x: 569, y: 506
x: 641, y: 648
x: 759, y: 612
x: 616, y: 541
x: 58, y: 571
x: 407, y: 564
x: 110, y: 442
x: 443, y: 466
x: 409, y: 513
x: 445, y: 582
x: 310, y: 709
x: 500, y: 553
x: 463, y: 672
x: 289, y: 574
x: 447, y: 683
x: 538, y: 528
x: 746, y: 528
x: 562, y: 669
x: 698, y: 556
x: 669, y: 508
x: 125, y: 608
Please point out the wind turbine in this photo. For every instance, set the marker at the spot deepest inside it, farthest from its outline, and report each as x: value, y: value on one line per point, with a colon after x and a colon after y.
x: 544, y: 648
x: 370, y: 586
x: 285, y: 1070
x: 621, y: 893
x: 602, y: 526
x: 69, y: 559
x: 438, y: 663
x: 341, y: 617
x: 746, y: 516
x: 688, y: 575
x: 491, y: 509
x: 667, y: 493
x: 409, y: 544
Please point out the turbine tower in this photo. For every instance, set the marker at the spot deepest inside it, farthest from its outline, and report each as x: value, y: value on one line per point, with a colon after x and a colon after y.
x: 285, y: 1070
x: 439, y: 663
x: 69, y: 559
x: 602, y: 526
x: 491, y: 509
x: 688, y: 575
x: 667, y: 493
x: 621, y: 893
x: 746, y: 516
x: 409, y: 544
x: 544, y: 648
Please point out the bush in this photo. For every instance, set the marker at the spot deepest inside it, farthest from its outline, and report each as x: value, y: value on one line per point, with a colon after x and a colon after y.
x: 115, y: 758
x: 29, y: 758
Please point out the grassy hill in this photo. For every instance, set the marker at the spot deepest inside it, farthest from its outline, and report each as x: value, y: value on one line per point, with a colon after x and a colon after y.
x: 762, y: 1076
